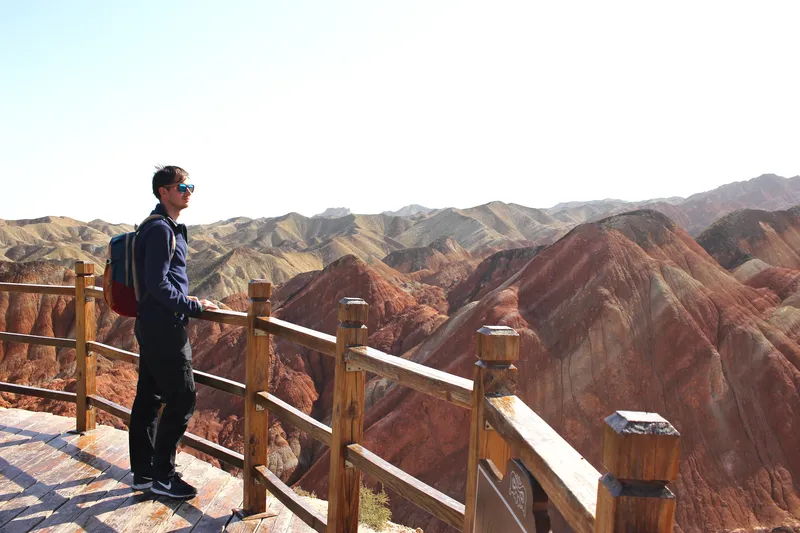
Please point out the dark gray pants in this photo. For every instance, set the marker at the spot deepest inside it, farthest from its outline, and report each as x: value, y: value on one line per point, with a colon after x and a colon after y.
x: 165, y: 376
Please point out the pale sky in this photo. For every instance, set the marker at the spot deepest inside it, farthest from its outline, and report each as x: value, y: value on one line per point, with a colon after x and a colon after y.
x: 275, y: 107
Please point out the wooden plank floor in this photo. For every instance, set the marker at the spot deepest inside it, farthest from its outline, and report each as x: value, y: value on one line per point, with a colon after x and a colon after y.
x: 54, y: 480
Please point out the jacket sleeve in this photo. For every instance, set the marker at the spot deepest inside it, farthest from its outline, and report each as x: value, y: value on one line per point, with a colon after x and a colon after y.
x: 158, y: 253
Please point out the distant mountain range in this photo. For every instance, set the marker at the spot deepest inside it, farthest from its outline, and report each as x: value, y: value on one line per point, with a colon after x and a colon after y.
x: 333, y: 212
x: 409, y: 211
x: 224, y: 254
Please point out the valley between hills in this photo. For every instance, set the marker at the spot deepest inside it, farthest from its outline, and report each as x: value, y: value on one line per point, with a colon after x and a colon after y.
x: 685, y: 307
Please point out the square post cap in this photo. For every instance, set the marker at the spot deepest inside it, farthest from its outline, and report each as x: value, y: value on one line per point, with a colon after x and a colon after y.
x: 259, y: 289
x: 84, y: 268
x: 498, y: 344
x: 352, y: 310
x: 641, y: 446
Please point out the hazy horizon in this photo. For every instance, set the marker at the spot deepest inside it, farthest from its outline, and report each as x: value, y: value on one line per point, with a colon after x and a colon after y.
x: 438, y: 208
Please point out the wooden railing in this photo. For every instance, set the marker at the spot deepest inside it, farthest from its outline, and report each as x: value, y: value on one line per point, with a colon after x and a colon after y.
x: 640, y: 450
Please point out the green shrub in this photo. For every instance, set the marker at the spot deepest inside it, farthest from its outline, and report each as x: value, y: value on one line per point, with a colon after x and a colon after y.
x: 373, y: 509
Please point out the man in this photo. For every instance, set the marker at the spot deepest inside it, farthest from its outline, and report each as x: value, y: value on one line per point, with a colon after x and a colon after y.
x: 165, y: 363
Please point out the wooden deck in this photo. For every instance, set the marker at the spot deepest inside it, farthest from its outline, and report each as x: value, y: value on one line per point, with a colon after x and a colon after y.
x: 52, y: 479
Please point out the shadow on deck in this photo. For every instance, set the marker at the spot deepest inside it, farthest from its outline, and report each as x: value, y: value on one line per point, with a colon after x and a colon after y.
x: 55, y: 480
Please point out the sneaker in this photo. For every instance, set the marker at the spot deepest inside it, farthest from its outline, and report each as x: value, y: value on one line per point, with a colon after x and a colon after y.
x: 141, y: 482
x: 174, y: 487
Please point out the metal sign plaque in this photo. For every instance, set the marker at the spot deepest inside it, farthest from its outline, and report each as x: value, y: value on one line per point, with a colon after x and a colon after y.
x: 513, y: 504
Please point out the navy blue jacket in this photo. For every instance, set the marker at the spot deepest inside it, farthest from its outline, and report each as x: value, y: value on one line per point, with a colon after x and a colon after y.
x: 163, y: 282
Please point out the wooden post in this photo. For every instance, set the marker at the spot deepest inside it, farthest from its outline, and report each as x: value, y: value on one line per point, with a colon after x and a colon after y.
x: 256, y: 421
x: 495, y: 375
x: 640, y: 451
x: 85, y: 361
x: 347, y: 423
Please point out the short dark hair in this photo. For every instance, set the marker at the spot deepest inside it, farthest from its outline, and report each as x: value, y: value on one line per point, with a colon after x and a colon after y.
x: 167, y: 175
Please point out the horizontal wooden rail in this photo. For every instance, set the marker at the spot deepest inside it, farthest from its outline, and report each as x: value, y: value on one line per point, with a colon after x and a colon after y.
x: 193, y: 441
x: 419, y: 377
x: 94, y: 292
x: 210, y: 380
x: 232, y: 318
x: 113, y: 353
x: 292, y: 501
x: 61, y: 290
x: 110, y: 407
x: 568, y: 479
x: 297, y: 418
x: 213, y: 449
x: 220, y: 316
x: 215, y: 382
x: 36, y: 339
x: 424, y: 496
x: 50, y: 394
x: 318, y: 341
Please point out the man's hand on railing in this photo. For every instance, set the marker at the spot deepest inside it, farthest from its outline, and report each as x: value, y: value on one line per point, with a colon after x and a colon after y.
x: 208, y: 305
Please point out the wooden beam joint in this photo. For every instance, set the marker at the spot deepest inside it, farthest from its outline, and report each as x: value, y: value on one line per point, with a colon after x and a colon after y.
x: 635, y: 489
x: 353, y: 368
x: 640, y: 451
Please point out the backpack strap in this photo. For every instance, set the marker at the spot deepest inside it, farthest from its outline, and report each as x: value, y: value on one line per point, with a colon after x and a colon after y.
x: 173, y: 241
x: 173, y: 246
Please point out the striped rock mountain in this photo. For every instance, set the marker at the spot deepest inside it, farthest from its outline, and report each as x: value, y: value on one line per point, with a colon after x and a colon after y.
x: 625, y: 313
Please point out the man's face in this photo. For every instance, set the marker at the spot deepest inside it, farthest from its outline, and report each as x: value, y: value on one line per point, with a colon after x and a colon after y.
x: 174, y: 198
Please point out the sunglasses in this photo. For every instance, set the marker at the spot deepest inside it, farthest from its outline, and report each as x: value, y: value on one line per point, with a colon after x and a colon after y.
x: 182, y: 187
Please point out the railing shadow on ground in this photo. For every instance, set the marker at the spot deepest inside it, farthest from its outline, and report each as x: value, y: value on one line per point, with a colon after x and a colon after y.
x: 116, y: 498
x: 640, y: 450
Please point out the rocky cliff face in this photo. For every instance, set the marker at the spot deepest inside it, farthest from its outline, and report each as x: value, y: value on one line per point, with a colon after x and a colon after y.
x: 36, y: 314
x: 54, y: 316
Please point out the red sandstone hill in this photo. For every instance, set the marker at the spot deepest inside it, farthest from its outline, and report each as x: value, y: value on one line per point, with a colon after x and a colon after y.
x: 629, y: 312
x: 772, y: 237
x: 392, y: 312
x: 50, y: 367
x: 490, y: 274
x: 300, y: 376
x: 443, y: 263
x: 768, y: 192
x: 762, y: 249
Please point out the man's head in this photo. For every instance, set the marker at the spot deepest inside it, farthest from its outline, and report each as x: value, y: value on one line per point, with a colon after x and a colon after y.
x: 166, y: 187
